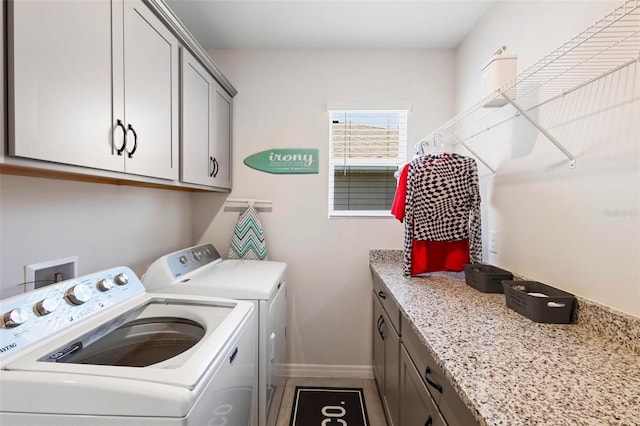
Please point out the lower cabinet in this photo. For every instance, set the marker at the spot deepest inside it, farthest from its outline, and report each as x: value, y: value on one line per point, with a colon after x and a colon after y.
x: 449, y: 403
x: 378, y: 343
x: 416, y: 406
x: 386, y: 361
x: 413, y: 388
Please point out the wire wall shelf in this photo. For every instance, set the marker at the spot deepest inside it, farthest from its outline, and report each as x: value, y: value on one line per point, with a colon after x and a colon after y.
x: 610, y: 44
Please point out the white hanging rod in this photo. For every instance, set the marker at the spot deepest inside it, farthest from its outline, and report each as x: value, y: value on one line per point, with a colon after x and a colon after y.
x: 249, y: 201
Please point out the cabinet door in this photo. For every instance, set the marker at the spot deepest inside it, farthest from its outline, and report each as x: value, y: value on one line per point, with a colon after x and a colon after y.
x: 221, y: 149
x: 392, y: 374
x: 386, y: 352
x: 60, y: 83
x: 378, y: 343
x: 416, y: 406
x: 151, y: 103
x: 453, y: 409
x: 196, y: 125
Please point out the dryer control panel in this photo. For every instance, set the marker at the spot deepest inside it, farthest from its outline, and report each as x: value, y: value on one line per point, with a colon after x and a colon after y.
x: 30, y: 317
x: 184, y: 261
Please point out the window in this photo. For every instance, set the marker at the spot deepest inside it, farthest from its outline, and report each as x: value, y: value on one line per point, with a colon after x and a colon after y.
x: 365, y: 149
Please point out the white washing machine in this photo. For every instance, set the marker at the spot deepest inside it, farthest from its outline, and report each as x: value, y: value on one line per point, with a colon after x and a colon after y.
x: 99, y: 350
x: 199, y: 271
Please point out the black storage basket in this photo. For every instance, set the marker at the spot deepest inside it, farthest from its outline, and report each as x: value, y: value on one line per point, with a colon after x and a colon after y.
x: 557, y: 308
x: 486, y: 278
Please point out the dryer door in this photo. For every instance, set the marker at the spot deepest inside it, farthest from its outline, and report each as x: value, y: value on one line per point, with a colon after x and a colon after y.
x: 277, y: 337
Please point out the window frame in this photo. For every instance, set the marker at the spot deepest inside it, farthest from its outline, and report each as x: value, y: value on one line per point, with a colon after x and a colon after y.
x: 403, y: 116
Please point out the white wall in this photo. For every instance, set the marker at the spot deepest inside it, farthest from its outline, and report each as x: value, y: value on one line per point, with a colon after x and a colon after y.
x: 104, y: 225
x: 282, y: 104
x: 578, y: 230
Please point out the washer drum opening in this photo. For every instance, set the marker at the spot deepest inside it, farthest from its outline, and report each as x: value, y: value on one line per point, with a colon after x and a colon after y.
x: 140, y: 343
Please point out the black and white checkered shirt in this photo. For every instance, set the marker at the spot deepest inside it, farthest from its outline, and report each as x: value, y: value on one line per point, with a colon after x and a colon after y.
x: 442, y: 203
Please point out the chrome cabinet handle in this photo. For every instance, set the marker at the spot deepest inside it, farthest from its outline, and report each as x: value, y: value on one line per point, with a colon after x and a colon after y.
x: 382, y: 294
x: 431, y: 382
x: 120, y: 150
x: 135, y: 141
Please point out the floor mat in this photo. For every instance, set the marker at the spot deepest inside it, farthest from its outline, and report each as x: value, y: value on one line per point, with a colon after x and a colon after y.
x: 322, y: 405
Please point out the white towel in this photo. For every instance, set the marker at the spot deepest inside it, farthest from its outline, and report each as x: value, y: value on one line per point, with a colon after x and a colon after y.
x: 248, y: 237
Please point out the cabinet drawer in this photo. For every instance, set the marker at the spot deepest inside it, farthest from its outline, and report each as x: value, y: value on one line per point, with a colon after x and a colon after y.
x: 450, y: 404
x: 390, y: 307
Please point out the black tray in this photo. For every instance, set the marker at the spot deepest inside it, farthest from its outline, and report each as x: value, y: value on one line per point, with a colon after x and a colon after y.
x: 557, y: 308
x: 486, y: 278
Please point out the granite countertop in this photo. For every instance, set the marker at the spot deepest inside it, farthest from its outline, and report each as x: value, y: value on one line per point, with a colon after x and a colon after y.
x: 510, y: 370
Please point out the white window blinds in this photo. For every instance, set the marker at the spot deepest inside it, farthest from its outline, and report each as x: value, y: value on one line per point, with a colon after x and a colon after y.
x: 365, y: 149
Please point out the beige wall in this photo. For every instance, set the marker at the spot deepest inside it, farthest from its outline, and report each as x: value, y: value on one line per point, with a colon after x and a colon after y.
x: 104, y: 225
x: 282, y: 104
x: 578, y: 230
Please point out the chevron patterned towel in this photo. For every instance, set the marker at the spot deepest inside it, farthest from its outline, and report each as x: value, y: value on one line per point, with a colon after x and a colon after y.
x: 248, y: 237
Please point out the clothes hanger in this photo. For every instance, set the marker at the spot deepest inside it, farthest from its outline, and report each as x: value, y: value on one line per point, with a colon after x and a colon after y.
x: 438, y: 145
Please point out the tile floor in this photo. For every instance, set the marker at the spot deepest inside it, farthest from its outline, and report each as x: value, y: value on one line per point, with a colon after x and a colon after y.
x: 371, y: 396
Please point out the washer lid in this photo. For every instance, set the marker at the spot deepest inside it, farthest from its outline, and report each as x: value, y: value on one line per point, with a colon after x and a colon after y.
x: 220, y: 319
x: 234, y: 279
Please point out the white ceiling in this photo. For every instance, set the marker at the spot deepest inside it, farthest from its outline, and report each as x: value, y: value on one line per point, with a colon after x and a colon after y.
x: 246, y: 24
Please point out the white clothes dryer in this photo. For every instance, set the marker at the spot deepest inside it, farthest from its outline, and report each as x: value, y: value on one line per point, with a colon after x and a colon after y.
x: 99, y: 350
x: 200, y: 271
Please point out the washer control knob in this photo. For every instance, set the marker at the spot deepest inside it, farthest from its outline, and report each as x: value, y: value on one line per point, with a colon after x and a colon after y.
x: 78, y: 294
x: 15, y: 317
x: 121, y: 279
x: 46, y: 306
x: 105, y: 284
x: 183, y: 259
x: 197, y: 254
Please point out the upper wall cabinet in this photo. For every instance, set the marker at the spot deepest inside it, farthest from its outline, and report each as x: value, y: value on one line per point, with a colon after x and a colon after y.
x: 221, y: 153
x: 93, y: 84
x: 205, y: 127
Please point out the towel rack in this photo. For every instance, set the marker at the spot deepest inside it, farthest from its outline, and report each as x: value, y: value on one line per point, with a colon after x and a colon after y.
x: 249, y: 201
x: 610, y: 44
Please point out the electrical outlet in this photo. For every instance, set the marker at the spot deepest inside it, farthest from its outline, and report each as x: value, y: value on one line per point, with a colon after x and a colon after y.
x: 41, y: 274
x: 493, y: 242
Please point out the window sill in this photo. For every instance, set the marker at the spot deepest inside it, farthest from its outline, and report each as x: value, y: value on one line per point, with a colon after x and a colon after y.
x: 361, y: 214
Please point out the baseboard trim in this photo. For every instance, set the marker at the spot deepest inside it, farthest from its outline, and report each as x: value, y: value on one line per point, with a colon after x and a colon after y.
x: 328, y: 371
